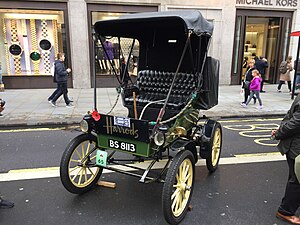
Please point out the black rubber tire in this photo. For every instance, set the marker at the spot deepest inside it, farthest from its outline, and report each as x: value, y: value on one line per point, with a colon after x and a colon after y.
x: 212, y: 166
x: 64, y: 165
x: 168, y: 188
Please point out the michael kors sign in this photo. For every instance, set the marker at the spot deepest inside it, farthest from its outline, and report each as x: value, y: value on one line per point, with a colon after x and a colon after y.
x: 273, y: 3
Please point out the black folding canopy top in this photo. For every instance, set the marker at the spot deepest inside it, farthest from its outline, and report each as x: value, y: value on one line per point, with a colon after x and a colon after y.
x: 162, y: 37
x: 135, y: 24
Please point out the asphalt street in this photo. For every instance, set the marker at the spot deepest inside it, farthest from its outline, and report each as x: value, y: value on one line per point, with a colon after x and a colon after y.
x: 239, y: 192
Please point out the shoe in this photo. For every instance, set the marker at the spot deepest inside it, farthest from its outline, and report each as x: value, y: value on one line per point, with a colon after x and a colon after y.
x: 259, y: 107
x: 278, y: 90
x: 6, y: 204
x: 1, y: 114
x: 262, y: 91
x: 289, y: 219
x: 244, y: 105
x: 71, y: 100
x: 70, y: 105
x: 52, y: 103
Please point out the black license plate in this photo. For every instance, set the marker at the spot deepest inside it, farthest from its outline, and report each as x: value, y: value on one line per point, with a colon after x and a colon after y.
x: 121, y: 145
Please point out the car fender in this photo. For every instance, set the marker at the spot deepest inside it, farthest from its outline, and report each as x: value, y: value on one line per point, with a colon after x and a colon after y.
x: 181, y: 144
x: 206, y: 147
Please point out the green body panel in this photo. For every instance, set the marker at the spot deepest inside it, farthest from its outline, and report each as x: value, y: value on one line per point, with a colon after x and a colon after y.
x: 141, y: 148
x: 188, y: 120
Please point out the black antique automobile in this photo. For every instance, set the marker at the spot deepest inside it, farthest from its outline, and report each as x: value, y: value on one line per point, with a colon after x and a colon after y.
x: 176, y: 79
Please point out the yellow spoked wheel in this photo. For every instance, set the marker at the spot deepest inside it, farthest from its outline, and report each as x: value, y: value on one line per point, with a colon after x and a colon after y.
x: 216, y: 145
x: 78, y: 172
x: 178, y: 187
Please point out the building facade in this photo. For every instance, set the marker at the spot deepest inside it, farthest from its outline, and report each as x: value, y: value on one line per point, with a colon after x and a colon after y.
x: 33, y: 32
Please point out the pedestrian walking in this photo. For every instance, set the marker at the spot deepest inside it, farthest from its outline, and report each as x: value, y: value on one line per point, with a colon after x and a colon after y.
x: 57, y: 88
x: 285, y: 69
x: 61, y: 75
x: 247, y: 81
x: 289, y: 144
x: 261, y: 64
x: 254, y: 89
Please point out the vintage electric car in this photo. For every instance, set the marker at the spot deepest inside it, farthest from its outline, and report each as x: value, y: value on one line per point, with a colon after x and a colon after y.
x: 176, y: 79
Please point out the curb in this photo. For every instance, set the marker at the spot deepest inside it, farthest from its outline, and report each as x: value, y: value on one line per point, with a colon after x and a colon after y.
x: 72, y: 122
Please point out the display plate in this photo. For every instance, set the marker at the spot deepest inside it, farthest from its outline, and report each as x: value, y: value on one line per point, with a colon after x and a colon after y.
x: 123, y: 127
x: 101, y: 158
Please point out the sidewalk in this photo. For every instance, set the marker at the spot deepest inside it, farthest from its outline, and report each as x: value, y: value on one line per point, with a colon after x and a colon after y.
x: 25, y: 107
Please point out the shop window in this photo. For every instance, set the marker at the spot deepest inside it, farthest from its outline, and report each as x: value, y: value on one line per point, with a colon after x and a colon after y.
x: 30, y: 41
x: 108, y: 60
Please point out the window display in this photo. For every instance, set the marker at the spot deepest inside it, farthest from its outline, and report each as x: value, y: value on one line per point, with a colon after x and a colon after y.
x: 31, y: 40
x: 114, y: 48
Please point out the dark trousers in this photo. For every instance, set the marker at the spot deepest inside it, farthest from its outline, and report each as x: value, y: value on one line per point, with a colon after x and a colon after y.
x: 62, y: 89
x: 261, y: 85
x: 281, y: 82
x: 54, y: 93
x: 291, y: 199
x: 246, y: 95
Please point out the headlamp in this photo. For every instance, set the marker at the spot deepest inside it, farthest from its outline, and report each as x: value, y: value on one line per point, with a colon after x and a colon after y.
x: 84, y: 126
x: 159, y: 138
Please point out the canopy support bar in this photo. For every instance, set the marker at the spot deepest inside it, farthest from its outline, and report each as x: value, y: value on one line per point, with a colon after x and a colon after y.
x: 162, y: 110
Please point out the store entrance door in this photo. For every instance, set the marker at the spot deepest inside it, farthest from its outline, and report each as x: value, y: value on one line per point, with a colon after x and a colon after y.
x: 257, y: 35
x: 261, y: 40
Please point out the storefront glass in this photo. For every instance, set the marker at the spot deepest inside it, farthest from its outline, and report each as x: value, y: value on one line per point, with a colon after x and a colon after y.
x: 30, y: 41
x: 115, y: 48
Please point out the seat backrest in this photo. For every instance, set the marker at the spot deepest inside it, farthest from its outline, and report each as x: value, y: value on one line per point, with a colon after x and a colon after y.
x: 156, y: 84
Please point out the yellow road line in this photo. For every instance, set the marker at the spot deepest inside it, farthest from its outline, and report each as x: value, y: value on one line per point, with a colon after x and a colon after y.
x: 250, y: 120
x: 36, y: 129
x: 52, y: 172
x: 33, y: 170
x: 258, y: 154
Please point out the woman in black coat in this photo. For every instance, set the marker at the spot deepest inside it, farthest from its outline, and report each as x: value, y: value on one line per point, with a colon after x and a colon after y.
x: 247, y: 80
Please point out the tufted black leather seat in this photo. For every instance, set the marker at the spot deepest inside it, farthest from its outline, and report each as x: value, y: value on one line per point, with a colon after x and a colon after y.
x: 155, y: 85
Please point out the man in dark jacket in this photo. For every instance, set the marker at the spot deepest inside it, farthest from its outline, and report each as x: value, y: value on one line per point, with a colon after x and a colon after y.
x: 61, y: 75
x: 289, y: 136
x: 261, y: 65
x: 247, y: 80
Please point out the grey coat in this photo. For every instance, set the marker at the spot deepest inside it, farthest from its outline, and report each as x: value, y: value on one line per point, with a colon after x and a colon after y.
x: 289, y: 131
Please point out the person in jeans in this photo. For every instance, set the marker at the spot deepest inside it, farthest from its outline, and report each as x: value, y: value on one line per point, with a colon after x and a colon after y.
x: 61, y: 75
x: 254, y: 89
x: 56, y: 90
x: 289, y: 144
